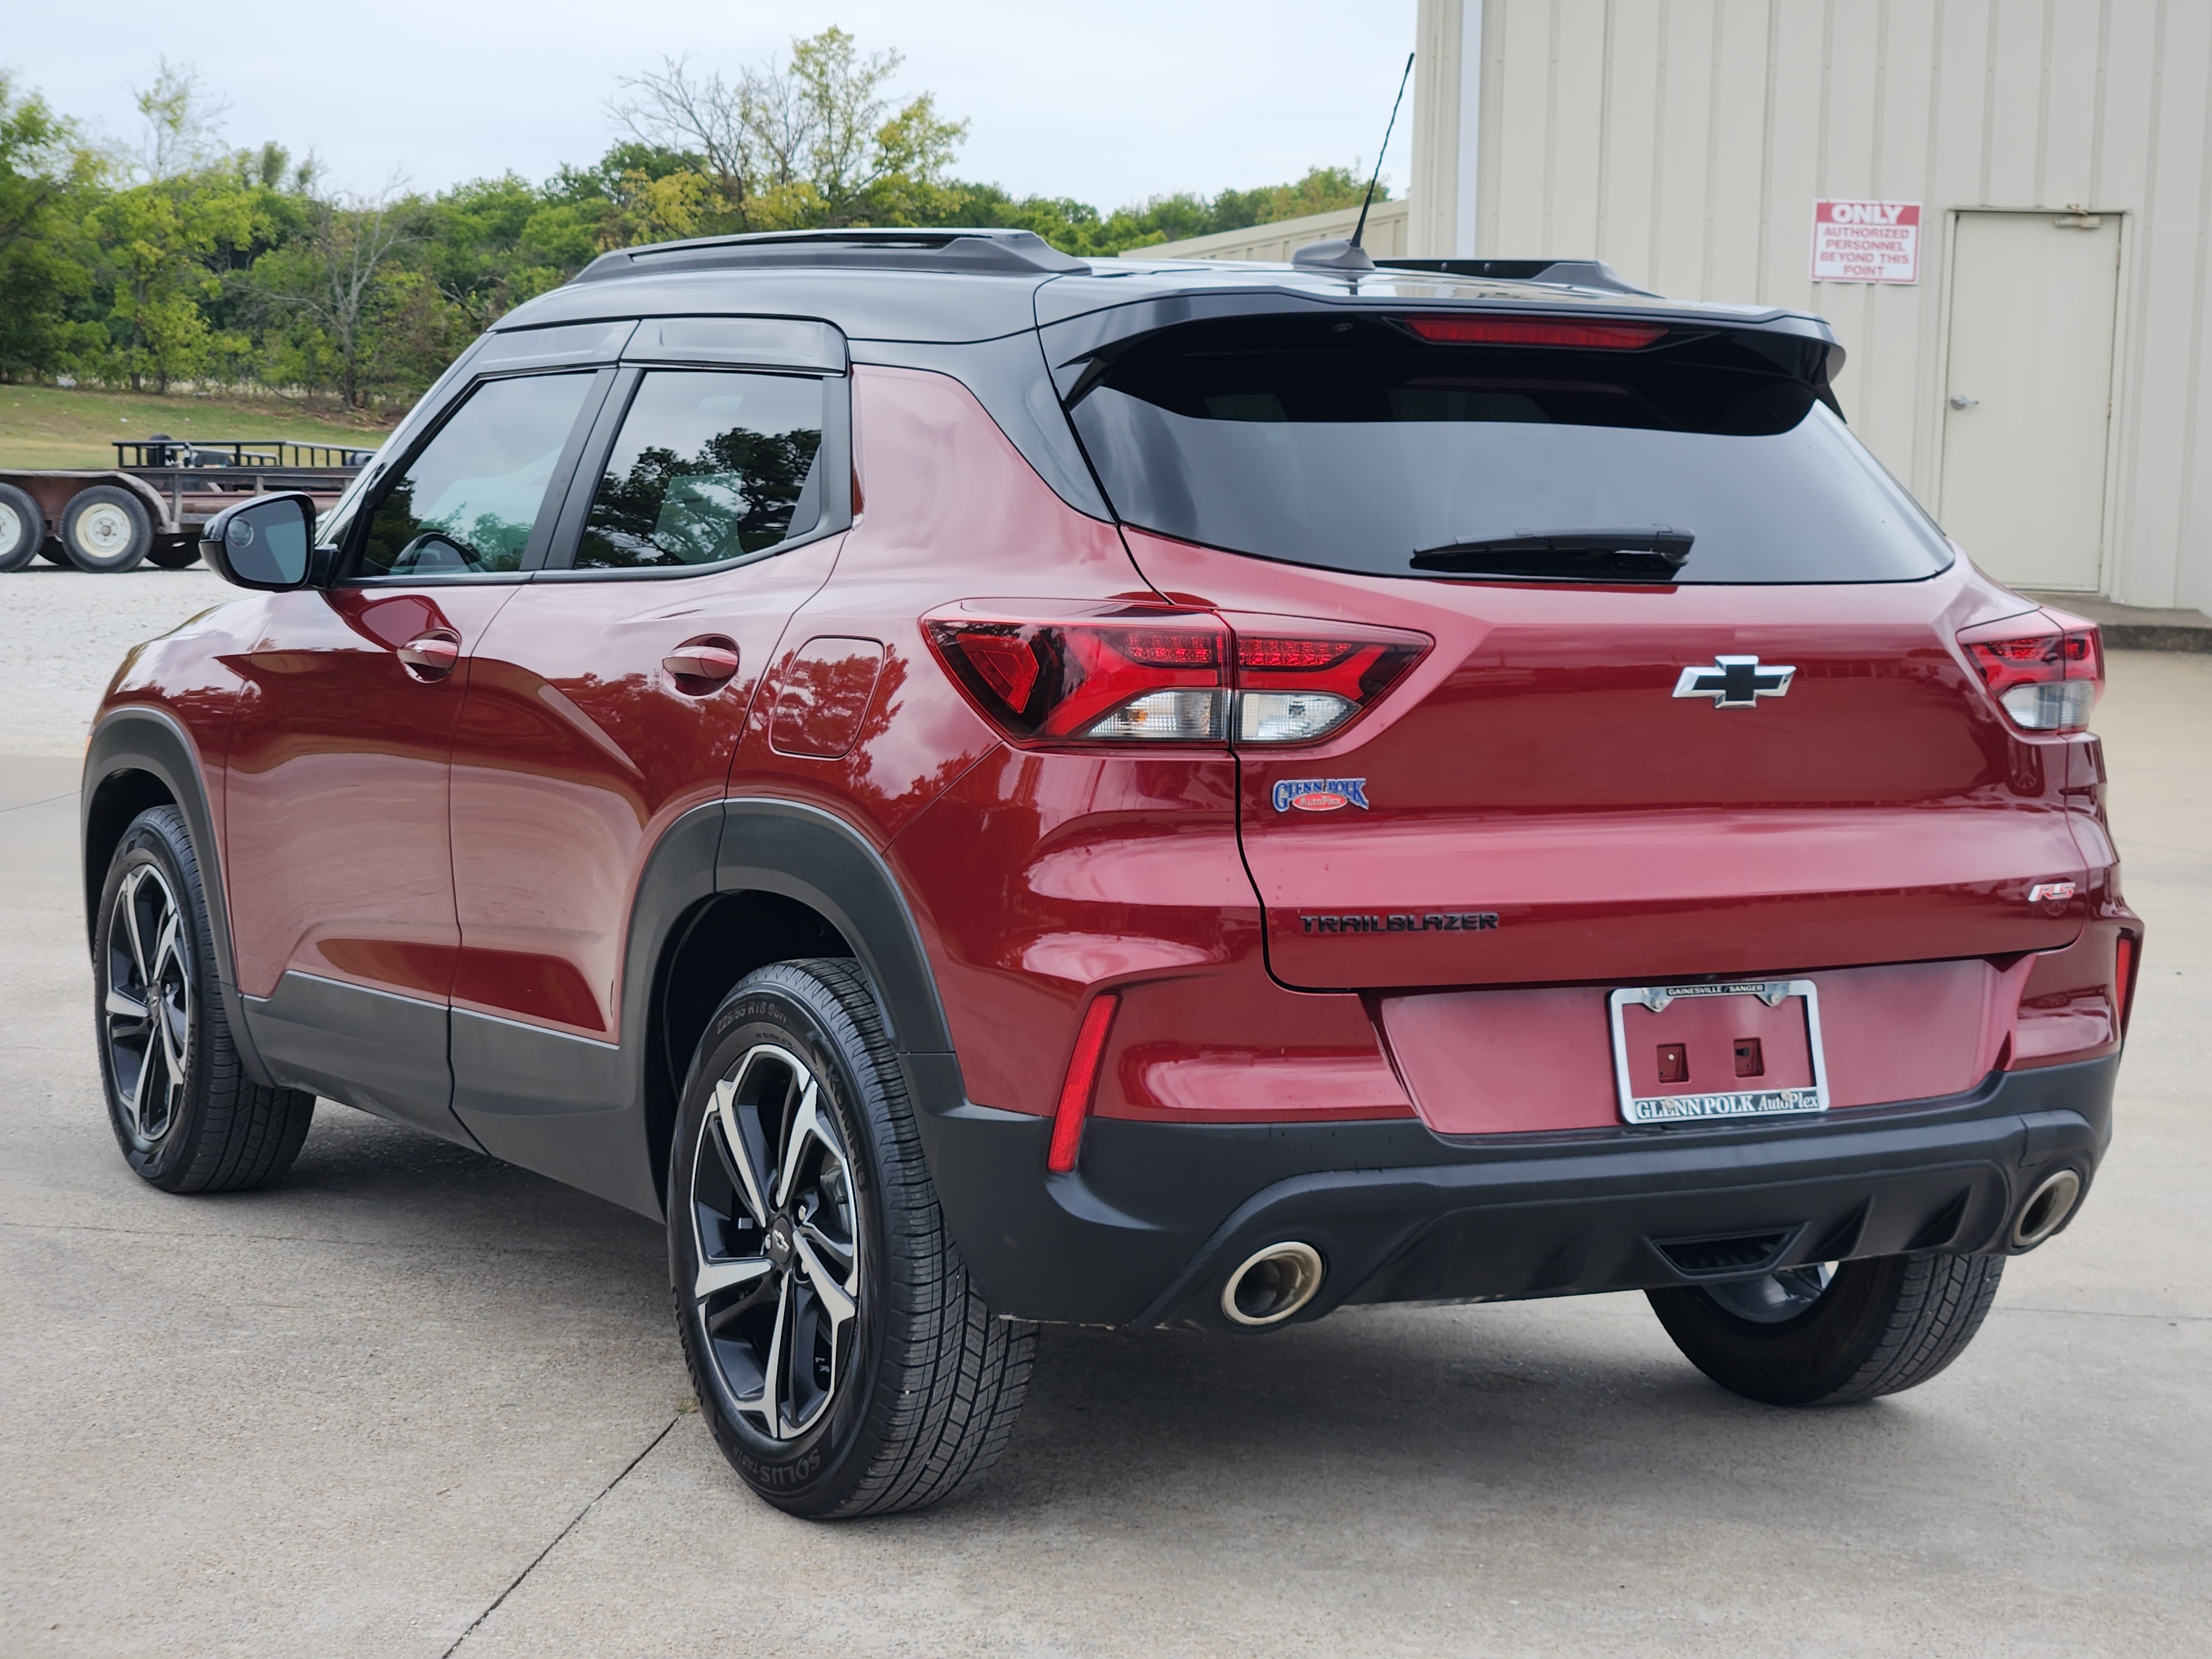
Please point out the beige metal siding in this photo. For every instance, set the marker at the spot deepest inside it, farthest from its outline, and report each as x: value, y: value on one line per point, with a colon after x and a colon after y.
x: 1385, y: 238
x: 1686, y: 141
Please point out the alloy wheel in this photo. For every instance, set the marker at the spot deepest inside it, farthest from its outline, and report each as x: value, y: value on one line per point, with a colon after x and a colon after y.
x: 777, y: 1285
x: 146, y: 1014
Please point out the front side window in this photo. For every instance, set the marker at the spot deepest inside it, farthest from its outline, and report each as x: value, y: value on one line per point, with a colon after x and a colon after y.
x: 466, y: 504
x: 708, y: 466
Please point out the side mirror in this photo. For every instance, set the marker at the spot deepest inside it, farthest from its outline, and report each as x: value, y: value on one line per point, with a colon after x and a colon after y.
x: 262, y: 543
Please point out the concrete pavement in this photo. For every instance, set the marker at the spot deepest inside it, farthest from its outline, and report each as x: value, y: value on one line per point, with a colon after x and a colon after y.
x: 410, y: 1398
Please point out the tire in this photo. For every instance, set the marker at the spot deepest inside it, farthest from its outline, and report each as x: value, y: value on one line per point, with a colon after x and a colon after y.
x: 53, y: 553
x: 897, y: 1388
x: 174, y: 552
x: 186, y: 1114
x: 1880, y: 1326
x: 22, y: 528
x: 106, y: 530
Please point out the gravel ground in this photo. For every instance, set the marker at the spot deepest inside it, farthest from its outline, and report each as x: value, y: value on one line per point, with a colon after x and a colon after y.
x: 409, y: 1402
x: 62, y: 633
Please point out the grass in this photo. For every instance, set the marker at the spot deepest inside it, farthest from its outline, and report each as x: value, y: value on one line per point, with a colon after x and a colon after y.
x: 43, y: 426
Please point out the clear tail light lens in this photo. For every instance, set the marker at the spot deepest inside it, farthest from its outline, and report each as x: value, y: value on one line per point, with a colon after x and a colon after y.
x: 1168, y: 676
x: 2045, y: 669
x: 1297, y: 681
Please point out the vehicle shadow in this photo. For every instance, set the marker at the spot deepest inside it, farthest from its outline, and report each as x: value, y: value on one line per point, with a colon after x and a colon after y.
x: 1517, y: 1405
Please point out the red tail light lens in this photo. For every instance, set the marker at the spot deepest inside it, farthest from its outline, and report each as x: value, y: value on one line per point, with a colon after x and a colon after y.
x: 1522, y: 331
x: 1169, y: 677
x: 2124, y: 977
x: 2045, y: 669
x: 1159, y: 679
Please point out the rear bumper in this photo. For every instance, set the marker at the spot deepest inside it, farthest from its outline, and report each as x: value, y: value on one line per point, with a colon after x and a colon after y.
x: 1156, y: 1216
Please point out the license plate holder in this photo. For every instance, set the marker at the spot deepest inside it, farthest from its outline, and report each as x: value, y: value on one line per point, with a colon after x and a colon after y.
x: 1781, y: 1025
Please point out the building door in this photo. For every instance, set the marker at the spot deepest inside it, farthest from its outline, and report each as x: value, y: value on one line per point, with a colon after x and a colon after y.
x: 2028, y: 401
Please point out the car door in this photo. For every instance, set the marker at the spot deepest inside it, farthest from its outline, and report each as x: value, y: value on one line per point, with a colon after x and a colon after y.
x: 604, y: 704
x: 341, y: 885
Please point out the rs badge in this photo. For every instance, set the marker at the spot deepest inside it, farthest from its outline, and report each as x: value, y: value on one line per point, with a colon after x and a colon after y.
x: 1321, y: 794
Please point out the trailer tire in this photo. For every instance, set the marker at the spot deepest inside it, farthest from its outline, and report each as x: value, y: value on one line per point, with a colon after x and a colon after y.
x: 106, y: 529
x: 22, y: 527
x: 53, y: 553
x: 174, y: 552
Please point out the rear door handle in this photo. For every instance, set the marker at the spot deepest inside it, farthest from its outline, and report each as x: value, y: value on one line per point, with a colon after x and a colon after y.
x: 431, y: 656
x: 702, y: 667
x: 1960, y: 400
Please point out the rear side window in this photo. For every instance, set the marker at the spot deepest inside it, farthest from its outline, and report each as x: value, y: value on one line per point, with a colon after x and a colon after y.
x: 708, y: 466
x: 1355, y: 444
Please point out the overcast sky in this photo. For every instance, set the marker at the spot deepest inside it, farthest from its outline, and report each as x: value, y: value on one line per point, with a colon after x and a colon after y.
x: 1106, y: 102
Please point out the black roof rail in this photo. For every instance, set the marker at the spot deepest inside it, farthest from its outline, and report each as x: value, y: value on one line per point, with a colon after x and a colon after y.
x: 1571, y: 273
x: 979, y: 252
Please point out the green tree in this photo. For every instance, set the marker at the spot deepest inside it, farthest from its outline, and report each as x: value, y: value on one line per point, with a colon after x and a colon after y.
x: 339, y: 278
x: 811, y: 142
x: 156, y: 242
x: 161, y: 240
x: 45, y: 173
x: 174, y: 258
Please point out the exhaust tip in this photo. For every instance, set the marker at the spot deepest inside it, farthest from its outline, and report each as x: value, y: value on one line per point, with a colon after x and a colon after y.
x: 1273, y: 1284
x: 2046, y: 1209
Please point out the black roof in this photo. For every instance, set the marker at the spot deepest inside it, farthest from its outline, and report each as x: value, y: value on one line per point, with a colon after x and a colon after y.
x: 946, y: 286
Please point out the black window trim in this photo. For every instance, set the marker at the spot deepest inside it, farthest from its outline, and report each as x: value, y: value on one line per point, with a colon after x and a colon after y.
x: 835, y: 456
x: 542, y: 530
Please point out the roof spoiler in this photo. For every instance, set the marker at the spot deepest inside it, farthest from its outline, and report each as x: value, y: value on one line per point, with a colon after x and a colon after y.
x: 984, y: 252
x: 1567, y: 273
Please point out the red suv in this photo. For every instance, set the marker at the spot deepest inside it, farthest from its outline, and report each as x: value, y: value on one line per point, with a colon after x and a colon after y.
x: 986, y: 788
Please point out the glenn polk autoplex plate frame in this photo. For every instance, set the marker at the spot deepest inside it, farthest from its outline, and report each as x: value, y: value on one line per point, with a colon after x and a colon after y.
x: 1710, y: 1108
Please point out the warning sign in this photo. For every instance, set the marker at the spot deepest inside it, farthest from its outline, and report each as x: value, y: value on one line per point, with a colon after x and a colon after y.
x: 1866, y: 241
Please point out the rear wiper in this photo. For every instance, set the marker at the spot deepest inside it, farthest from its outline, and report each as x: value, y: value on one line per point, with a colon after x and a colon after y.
x: 1652, y: 553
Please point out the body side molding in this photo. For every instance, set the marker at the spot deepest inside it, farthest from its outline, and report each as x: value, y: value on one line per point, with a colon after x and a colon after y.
x: 376, y: 1050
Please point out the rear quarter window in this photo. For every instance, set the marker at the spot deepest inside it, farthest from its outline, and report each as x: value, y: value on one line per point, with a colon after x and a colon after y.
x: 1352, y: 443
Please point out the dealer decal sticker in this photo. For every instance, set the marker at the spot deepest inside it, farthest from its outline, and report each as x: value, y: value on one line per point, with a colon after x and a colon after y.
x: 1321, y: 794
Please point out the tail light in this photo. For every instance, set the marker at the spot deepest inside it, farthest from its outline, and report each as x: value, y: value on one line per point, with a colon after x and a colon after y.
x: 1137, y: 676
x: 2045, y: 669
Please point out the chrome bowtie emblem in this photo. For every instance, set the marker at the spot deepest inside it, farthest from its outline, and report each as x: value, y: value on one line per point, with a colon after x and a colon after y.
x: 1735, y: 682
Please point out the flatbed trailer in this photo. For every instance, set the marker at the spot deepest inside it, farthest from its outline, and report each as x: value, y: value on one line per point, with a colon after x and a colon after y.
x: 151, y: 504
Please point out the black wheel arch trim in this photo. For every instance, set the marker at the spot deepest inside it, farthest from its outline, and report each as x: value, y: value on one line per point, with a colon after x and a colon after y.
x: 137, y: 737
x: 803, y: 852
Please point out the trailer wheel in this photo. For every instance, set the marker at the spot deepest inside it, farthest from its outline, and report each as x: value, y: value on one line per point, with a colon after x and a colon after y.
x: 22, y: 527
x: 106, y: 529
x: 174, y: 552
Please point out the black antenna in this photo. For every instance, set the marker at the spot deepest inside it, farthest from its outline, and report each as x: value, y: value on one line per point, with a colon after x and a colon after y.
x: 1360, y: 230
x: 1350, y: 256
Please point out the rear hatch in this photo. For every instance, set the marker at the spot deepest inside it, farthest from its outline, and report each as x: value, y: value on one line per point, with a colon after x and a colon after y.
x: 1692, y: 706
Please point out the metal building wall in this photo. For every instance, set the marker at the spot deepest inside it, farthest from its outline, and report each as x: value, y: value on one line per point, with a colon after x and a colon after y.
x: 1686, y: 141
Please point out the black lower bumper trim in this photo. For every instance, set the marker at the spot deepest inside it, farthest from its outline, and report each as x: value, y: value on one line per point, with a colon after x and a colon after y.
x: 1156, y: 1216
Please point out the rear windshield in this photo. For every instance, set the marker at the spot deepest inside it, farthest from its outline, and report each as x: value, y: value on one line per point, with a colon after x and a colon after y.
x: 1354, y: 444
